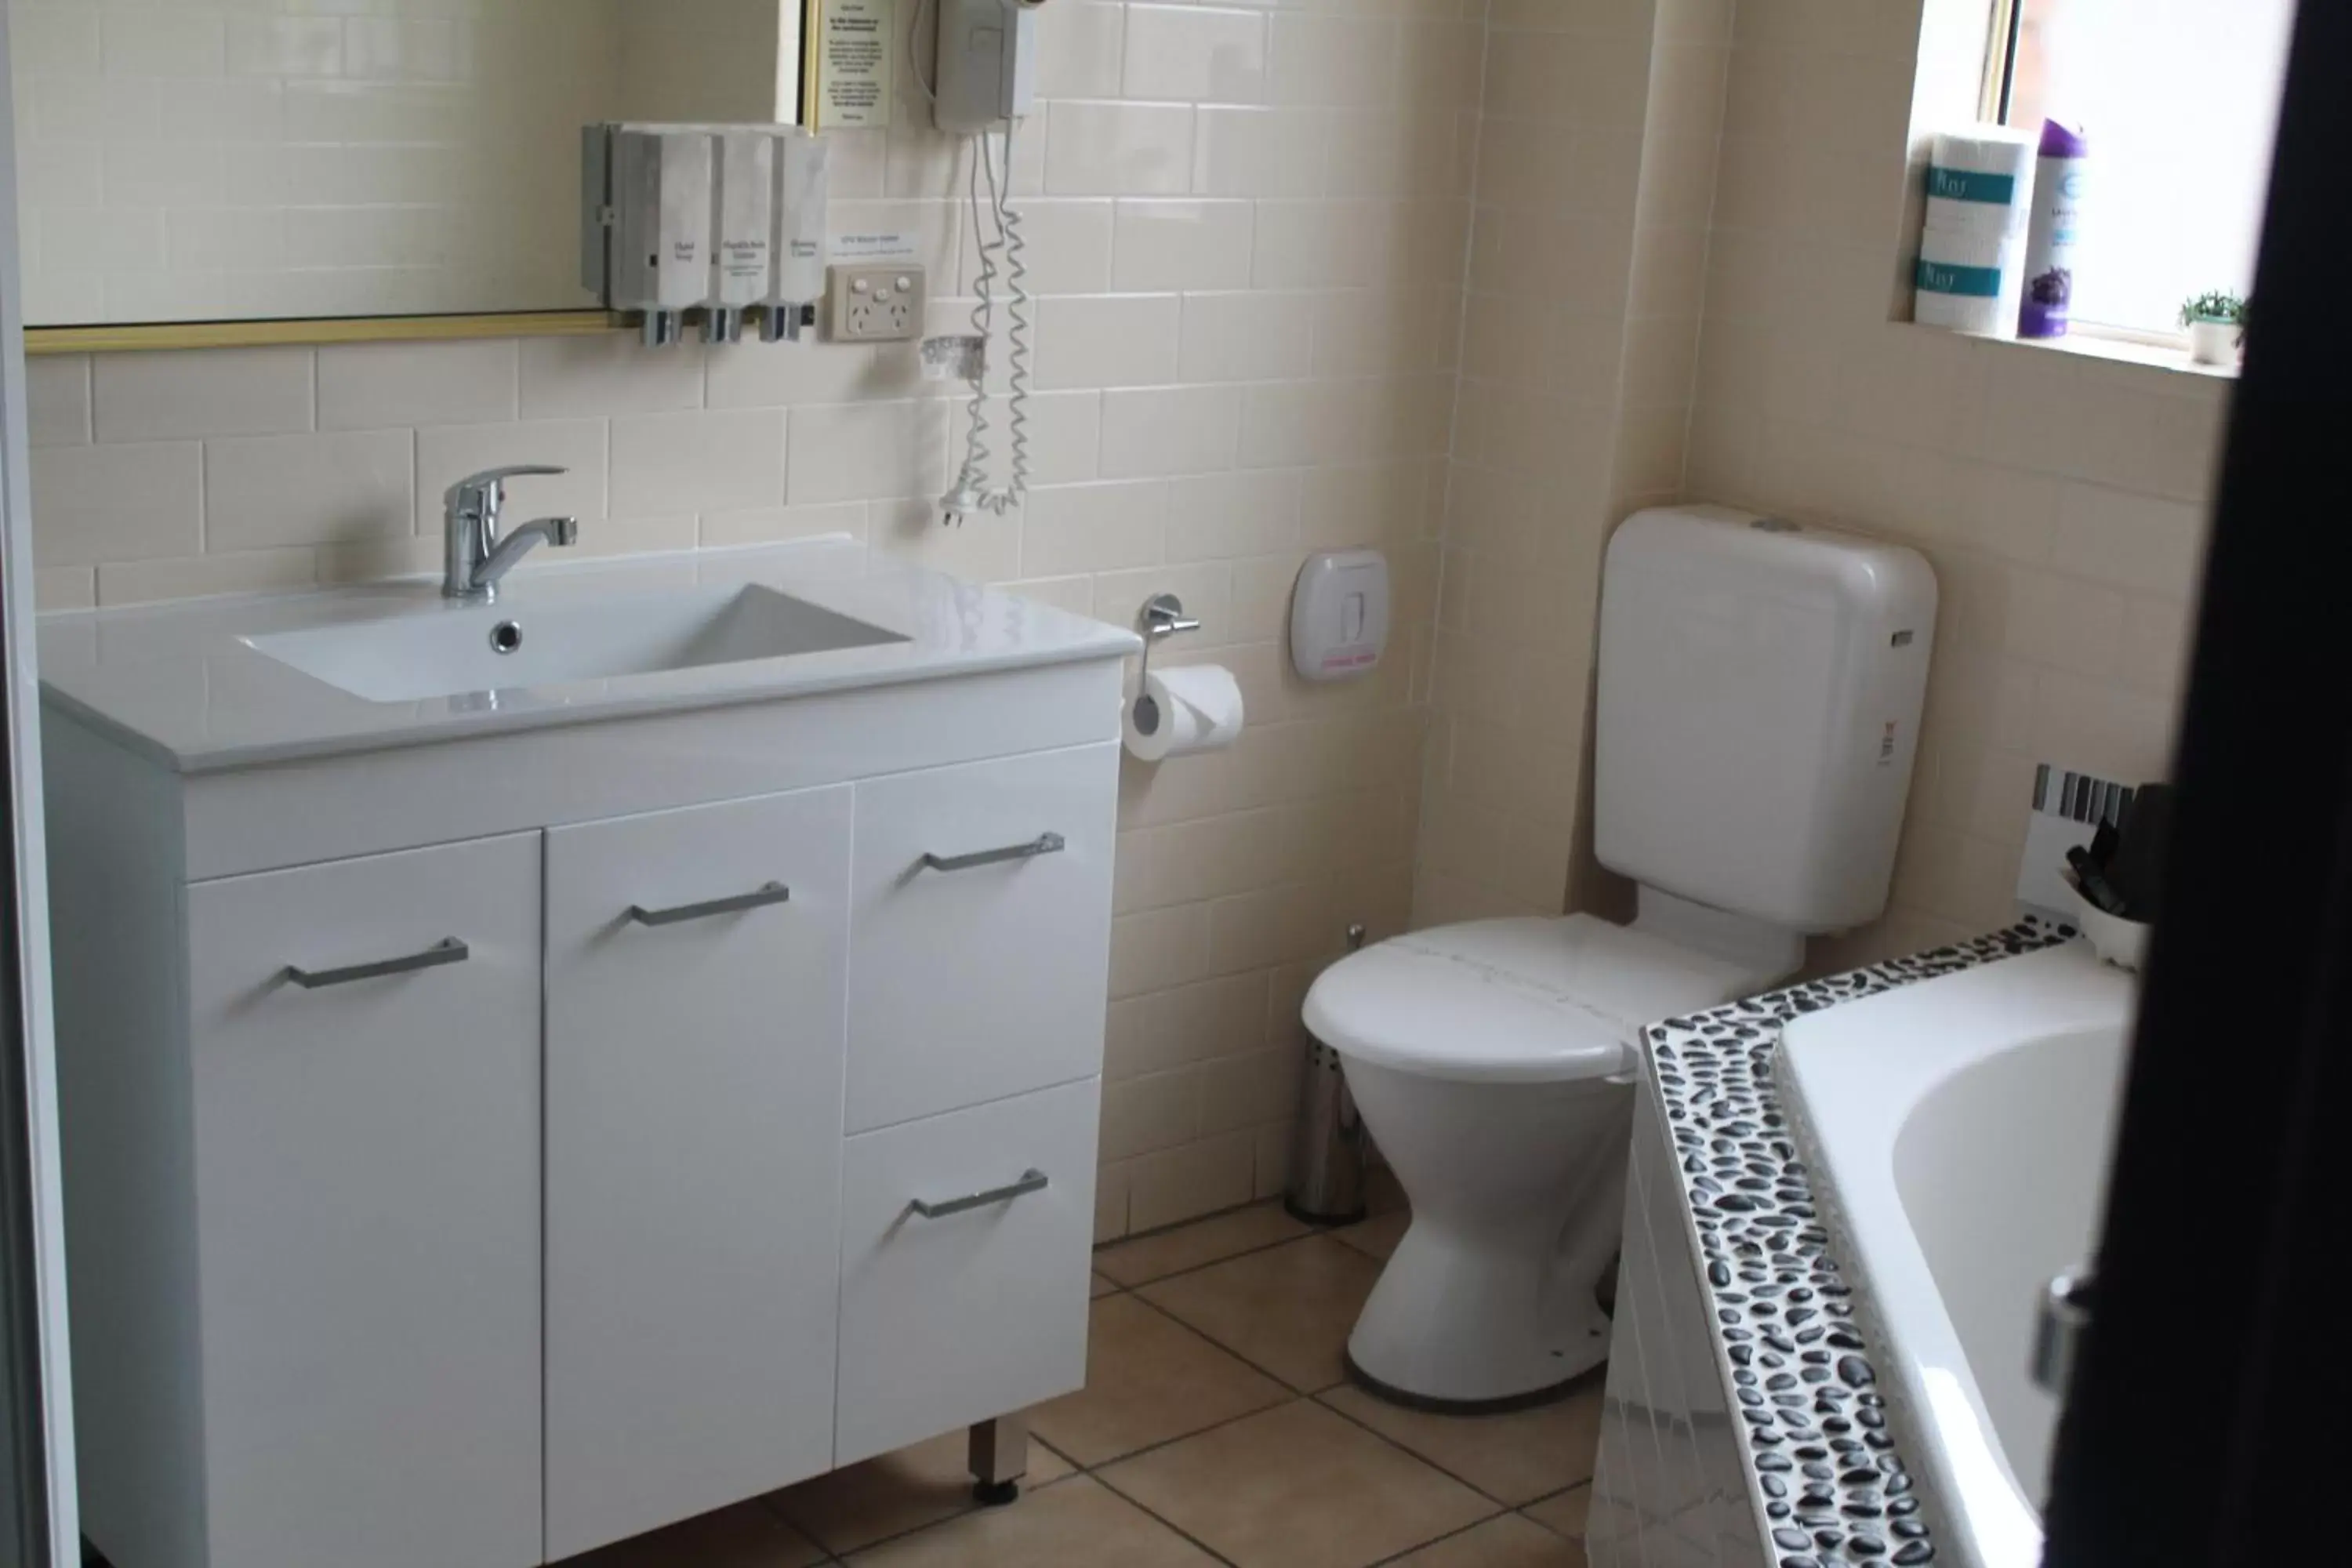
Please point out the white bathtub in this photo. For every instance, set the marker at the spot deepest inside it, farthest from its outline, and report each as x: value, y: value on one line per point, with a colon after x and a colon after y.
x: 1958, y: 1132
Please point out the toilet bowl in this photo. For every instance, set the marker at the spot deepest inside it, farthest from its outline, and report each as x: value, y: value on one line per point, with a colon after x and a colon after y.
x: 1493, y: 1065
x: 1759, y: 698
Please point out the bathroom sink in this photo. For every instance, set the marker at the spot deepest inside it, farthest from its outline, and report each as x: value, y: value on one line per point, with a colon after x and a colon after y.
x: 488, y: 648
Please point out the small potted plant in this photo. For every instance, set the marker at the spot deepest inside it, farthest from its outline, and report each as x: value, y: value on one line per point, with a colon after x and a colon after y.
x: 2217, y: 328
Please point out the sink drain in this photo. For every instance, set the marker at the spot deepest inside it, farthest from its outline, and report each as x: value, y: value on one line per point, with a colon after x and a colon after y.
x: 506, y: 637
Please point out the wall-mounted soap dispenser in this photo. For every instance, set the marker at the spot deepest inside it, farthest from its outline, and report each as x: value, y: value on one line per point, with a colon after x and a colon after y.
x: 744, y: 230
x: 648, y: 195
x: 725, y: 219
x: 804, y: 183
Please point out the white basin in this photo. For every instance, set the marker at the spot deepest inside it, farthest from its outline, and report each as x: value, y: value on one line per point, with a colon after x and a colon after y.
x: 464, y: 649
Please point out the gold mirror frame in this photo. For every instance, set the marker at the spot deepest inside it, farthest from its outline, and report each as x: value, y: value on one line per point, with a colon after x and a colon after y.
x: 306, y: 330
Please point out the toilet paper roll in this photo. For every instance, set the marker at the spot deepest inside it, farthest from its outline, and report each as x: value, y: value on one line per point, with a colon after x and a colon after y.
x: 1992, y: 150
x: 1945, y: 215
x: 1970, y: 283
x: 1981, y: 181
x: 1983, y: 317
x: 1196, y: 708
x: 1947, y: 248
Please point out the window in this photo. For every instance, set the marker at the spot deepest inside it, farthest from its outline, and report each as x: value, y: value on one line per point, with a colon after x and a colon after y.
x: 2180, y: 102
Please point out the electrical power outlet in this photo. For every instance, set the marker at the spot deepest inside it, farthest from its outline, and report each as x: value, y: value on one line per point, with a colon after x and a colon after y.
x: 879, y: 303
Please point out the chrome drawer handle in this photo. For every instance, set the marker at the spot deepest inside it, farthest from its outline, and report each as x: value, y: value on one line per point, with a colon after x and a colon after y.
x: 1032, y: 1180
x: 1043, y: 843
x: 766, y: 894
x: 448, y: 950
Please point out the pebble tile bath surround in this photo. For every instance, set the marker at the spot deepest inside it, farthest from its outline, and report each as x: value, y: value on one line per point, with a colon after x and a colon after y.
x: 1823, y: 1470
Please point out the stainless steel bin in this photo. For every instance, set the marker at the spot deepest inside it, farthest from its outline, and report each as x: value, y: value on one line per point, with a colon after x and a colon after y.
x: 1326, y: 1154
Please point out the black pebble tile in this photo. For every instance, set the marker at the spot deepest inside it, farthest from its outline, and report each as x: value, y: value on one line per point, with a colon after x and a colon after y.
x: 1752, y: 1199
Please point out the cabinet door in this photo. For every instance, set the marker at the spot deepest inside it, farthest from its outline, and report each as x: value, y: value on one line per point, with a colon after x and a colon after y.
x: 964, y: 1315
x: 694, y: 1060
x: 367, y: 1203
x: 983, y: 974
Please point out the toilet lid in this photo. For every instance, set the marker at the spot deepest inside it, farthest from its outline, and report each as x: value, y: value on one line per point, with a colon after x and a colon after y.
x: 1513, y: 1000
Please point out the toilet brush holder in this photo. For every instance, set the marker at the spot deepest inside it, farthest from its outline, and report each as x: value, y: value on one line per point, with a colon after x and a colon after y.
x: 1326, y: 1154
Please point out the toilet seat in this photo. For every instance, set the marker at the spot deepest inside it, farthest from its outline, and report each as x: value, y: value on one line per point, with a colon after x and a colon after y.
x: 1514, y: 1001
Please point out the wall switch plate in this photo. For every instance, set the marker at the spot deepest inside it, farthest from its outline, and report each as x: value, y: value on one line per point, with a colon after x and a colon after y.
x: 879, y: 302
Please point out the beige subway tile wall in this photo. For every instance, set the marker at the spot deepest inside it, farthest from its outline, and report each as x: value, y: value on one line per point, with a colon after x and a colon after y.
x: 2061, y: 498
x: 1468, y: 287
x: 1593, y: 182
x: 1250, y: 226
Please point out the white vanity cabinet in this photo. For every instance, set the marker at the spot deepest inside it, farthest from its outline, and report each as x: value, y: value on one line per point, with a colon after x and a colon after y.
x: 973, y: 887
x: 483, y: 1150
x: 696, y: 961
x: 366, y: 1205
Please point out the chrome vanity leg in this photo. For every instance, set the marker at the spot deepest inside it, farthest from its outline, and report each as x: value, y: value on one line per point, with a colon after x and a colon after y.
x: 1000, y: 1458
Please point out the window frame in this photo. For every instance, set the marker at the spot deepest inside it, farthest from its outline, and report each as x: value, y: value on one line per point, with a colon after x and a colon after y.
x: 2004, y: 26
x: 2001, y: 58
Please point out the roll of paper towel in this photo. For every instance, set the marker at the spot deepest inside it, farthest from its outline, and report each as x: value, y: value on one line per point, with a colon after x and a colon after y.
x: 1970, y: 283
x: 1196, y: 708
x: 1971, y: 275
x: 1985, y: 166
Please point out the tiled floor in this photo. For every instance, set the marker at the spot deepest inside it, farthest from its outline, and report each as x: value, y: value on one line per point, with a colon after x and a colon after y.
x: 1216, y: 1427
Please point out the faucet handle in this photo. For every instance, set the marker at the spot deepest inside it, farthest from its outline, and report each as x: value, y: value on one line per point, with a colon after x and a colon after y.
x: 486, y: 491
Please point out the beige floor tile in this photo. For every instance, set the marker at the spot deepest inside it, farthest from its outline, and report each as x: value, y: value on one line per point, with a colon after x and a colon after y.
x: 1564, y: 1512
x: 1148, y: 1379
x: 1296, y: 1487
x: 1078, y: 1524
x: 895, y: 1493
x: 1099, y: 1286
x: 1377, y: 1236
x: 1288, y: 1310
x: 1509, y: 1541
x: 1513, y: 1458
x: 1209, y: 1240
x: 1383, y: 1193
x: 744, y: 1536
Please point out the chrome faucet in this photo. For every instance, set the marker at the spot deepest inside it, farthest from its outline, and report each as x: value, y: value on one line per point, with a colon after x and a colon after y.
x: 477, y: 557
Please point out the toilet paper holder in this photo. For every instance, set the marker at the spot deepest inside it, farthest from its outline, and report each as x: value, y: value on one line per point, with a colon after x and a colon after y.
x: 1162, y: 616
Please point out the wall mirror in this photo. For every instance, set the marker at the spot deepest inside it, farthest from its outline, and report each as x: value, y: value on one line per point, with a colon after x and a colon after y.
x: 199, y: 172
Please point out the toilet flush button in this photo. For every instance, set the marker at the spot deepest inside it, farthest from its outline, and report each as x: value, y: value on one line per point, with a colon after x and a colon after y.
x: 1340, y: 614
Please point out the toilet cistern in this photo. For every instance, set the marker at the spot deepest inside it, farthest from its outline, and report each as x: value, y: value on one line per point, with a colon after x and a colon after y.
x: 476, y: 556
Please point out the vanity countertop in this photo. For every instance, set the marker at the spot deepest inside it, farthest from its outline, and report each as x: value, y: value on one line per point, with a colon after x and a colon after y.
x: 183, y: 684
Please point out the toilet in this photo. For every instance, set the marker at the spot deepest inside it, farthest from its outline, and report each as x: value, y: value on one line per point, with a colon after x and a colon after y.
x: 1760, y: 686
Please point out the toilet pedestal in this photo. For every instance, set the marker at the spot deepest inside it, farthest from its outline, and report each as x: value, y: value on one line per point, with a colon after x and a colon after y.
x: 1518, y: 1190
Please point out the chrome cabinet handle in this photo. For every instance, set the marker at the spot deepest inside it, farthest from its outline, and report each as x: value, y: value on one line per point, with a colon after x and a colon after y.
x: 1032, y: 1180
x: 766, y: 894
x: 1043, y: 843
x: 448, y: 950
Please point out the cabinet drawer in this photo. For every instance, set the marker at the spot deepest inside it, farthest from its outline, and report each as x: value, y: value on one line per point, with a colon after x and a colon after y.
x: 694, y: 1063
x: 974, y: 1313
x: 981, y: 972
x: 367, y: 1171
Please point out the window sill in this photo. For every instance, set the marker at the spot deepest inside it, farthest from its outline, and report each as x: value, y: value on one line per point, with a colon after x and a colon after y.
x: 2094, y: 344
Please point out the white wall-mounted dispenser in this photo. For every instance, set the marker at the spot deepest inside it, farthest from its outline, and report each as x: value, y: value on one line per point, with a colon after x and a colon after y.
x: 988, y: 63
x: 987, y: 82
x: 646, y: 222
x: 743, y: 229
x: 1340, y: 614
x: 804, y: 183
